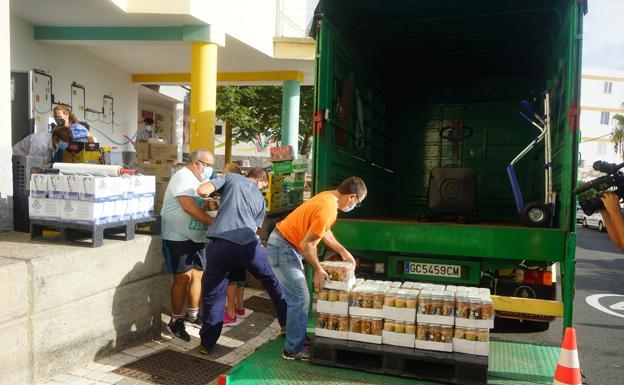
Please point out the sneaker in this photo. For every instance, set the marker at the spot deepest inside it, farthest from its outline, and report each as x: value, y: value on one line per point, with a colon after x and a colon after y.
x: 301, y: 356
x: 240, y: 312
x: 229, y: 321
x: 178, y: 330
x: 195, y: 321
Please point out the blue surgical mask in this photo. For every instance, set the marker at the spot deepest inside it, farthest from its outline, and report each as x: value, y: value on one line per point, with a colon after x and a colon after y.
x: 147, y: 128
x: 207, y: 173
x: 62, y: 145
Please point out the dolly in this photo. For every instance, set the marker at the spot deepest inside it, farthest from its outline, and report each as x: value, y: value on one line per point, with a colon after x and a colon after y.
x: 535, y: 213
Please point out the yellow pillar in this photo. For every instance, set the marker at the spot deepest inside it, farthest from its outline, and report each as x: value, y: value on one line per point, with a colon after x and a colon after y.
x: 203, y: 95
x: 228, y: 143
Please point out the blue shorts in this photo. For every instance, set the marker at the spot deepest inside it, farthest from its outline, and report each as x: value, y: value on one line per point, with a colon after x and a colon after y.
x: 182, y: 256
x: 237, y: 276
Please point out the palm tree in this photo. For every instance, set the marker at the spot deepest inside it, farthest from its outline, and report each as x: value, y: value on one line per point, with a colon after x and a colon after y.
x: 617, y: 134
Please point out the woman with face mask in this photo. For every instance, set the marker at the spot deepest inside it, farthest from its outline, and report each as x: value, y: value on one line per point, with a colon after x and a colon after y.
x: 148, y: 131
x: 44, y: 144
x: 63, y: 117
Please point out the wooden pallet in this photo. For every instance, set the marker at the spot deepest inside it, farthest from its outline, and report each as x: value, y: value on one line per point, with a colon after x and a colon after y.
x: 454, y: 368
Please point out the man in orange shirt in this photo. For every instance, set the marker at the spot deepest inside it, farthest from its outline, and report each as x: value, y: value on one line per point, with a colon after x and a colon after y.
x: 295, y: 239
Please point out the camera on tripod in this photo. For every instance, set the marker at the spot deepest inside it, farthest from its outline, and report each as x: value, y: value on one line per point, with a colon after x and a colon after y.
x: 614, y: 178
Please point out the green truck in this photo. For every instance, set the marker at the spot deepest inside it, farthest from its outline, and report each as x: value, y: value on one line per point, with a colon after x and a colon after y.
x: 392, y: 77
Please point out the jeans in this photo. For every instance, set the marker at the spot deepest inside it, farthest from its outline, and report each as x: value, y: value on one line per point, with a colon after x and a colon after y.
x: 287, y: 264
x: 221, y: 257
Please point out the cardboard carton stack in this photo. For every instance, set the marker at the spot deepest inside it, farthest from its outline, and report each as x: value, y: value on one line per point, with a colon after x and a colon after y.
x: 412, y: 314
x: 287, y: 180
x: 159, y: 160
x: 89, y: 199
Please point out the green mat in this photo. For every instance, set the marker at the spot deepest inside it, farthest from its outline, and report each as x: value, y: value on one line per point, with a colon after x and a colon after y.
x: 511, y: 363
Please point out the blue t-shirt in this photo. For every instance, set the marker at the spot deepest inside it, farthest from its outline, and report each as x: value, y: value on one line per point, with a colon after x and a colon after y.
x: 79, y: 132
x: 241, y: 210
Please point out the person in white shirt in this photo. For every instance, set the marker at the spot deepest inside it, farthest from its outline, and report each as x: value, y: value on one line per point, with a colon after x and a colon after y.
x: 184, y: 227
x: 44, y: 144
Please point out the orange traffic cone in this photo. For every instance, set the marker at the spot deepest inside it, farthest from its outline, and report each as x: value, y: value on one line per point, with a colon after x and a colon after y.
x: 568, y: 370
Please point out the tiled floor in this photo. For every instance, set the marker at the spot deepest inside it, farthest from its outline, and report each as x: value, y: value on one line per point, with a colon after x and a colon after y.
x: 229, y: 349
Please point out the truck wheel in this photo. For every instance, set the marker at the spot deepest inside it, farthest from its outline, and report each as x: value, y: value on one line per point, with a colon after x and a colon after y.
x: 536, y: 214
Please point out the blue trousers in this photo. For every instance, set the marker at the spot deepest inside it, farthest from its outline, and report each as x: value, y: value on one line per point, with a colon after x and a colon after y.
x: 221, y: 257
x: 287, y: 264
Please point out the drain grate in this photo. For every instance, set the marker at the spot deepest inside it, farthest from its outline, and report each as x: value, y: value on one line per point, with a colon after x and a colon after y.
x: 261, y: 305
x: 169, y: 367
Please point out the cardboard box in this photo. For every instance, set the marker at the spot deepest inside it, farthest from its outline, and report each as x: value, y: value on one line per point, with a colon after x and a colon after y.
x: 475, y: 323
x: 45, y: 208
x: 146, y: 207
x: 133, y: 208
x: 58, y: 187
x: 435, y: 319
x: 471, y: 347
x: 371, y: 339
x: 366, y: 312
x: 399, y: 314
x: 398, y: 339
x: 141, y: 185
x: 159, y: 195
x: 160, y: 171
x: 160, y: 151
x: 432, y: 345
x: 85, y: 212
x: 337, y: 285
x: 142, y: 149
x: 99, y: 188
x: 331, y: 334
x: 39, y: 185
x: 332, y: 307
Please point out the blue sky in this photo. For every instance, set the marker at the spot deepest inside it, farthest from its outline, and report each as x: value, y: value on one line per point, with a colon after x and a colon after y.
x: 603, y: 36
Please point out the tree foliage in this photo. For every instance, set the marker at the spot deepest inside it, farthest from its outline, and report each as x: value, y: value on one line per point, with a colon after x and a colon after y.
x: 255, y: 112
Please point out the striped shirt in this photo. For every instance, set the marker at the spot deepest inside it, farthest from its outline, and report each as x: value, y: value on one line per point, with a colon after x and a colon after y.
x: 142, y: 134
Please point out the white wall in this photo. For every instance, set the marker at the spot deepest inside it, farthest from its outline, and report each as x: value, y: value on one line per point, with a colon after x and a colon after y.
x: 66, y: 64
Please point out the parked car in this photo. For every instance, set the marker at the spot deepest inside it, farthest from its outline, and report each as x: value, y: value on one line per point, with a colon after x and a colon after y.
x: 595, y: 221
x: 580, y: 215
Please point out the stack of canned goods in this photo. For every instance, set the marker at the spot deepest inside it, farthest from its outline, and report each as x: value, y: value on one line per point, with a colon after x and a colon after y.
x: 474, y: 307
x: 333, y: 295
x: 338, y: 323
x: 401, y: 299
x: 434, y: 333
x: 436, y: 303
x: 405, y: 327
x: 367, y: 297
x: 366, y: 325
x: 472, y: 334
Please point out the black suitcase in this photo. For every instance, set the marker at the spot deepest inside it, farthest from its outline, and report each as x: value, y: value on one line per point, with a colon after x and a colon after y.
x: 453, y: 189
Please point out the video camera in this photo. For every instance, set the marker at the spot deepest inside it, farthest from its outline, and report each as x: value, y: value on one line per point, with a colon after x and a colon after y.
x: 614, y: 178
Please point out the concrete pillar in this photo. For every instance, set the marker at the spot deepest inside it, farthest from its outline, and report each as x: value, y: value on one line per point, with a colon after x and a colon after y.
x: 203, y: 95
x: 290, y: 114
x: 178, y: 128
x: 228, y: 142
x: 6, y: 174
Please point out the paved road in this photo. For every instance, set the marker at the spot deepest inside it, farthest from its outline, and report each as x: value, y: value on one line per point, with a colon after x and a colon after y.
x: 600, y: 270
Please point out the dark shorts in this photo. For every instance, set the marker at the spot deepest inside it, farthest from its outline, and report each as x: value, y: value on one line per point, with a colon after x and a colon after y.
x: 182, y: 256
x: 237, y: 276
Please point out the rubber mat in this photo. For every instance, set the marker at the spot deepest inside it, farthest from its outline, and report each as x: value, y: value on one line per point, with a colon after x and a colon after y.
x: 261, y: 305
x: 169, y: 367
x: 511, y: 363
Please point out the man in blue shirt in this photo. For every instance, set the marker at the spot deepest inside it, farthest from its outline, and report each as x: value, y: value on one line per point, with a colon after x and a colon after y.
x: 234, y: 243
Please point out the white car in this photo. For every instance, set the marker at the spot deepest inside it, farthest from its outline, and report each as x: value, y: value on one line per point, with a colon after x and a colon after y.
x: 580, y: 216
x: 595, y: 221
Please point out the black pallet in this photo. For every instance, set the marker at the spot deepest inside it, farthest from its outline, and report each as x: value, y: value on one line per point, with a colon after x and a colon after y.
x: 454, y: 368
x: 153, y: 226
x: 69, y: 230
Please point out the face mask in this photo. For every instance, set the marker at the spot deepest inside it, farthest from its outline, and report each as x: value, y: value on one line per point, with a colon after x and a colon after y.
x: 60, y: 121
x: 147, y: 128
x: 207, y: 173
x: 62, y: 145
x: 346, y: 209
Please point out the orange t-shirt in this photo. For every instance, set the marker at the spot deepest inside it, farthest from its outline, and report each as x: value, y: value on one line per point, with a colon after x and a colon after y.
x: 318, y: 214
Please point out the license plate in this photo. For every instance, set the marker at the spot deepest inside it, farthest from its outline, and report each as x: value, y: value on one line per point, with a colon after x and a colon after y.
x: 419, y: 268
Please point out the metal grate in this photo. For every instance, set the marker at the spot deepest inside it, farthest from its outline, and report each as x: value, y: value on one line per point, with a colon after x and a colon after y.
x: 169, y: 367
x: 261, y: 305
